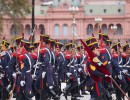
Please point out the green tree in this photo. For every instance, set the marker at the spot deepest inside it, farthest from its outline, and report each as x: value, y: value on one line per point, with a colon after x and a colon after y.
x: 15, y: 9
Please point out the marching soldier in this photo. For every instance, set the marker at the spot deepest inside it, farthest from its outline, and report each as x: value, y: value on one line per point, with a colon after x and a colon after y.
x: 46, y: 70
x: 24, y: 81
x: 105, y: 57
x: 82, y: 74
x: 124, y: 64
x: 13, y: 65
x: 34, y: 71
x: 5, y: 58
x: 117, y: 73
x: 70, y: 72
x: 60, y: 62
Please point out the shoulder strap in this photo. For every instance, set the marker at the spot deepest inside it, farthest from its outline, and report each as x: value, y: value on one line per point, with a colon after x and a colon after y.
x: 29, y: 60
x: 49, y: 54
x: 8, y: 54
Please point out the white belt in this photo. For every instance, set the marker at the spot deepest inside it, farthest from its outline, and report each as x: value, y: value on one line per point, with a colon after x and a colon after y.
x: 28, y: 71
x: 72, y: 66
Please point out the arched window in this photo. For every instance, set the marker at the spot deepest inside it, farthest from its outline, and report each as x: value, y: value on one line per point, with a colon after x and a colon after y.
x: 41, y: 29
x: 65, y: 29
x: 57, y: 29
x: 110, y: 31
x: 13, y: 30
x: 119, y: 29
x: 104, y: 29
x: 89, y: 29
x: 27, y: 29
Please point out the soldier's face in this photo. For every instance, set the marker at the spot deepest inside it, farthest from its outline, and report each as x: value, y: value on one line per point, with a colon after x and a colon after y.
x: 97, y: 52
x: 121, y: 50
x: 3, y: 47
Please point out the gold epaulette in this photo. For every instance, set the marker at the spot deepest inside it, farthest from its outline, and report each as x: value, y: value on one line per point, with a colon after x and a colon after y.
x: 93, y: 67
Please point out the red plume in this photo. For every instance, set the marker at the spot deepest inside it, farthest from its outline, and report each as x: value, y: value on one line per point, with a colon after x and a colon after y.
x: 100, y: 31
x: 4, y: 37
x: 92, y: 35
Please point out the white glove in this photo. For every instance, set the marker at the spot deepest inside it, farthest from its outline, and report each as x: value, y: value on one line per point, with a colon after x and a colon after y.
x: 80, y: 69
x: 18, y: 72
x: 22, y: 83
x: 120, y: 66
x: 43, y: 74
x: 125, y: 71
x: 107, y: 75
x: 120, y: 77
x: 33, y: 77
x: 1, y: 76
x: 100, y: 63
x: 14, y: 75
x: 68, y: 74
x: 128, y: 66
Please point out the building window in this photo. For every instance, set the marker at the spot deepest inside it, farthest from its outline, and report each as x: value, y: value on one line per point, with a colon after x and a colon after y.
x: 57, y: 29
x: 58, y: 0
x: 119, y: 10
x: 104, y: 29
x: 91, y: 11
x: 105, y: 10
x: 90, y: 29
x: 72, y: 0
x: 28, y: 29
x: 119, y: 29
x: 42, y: 11
x: 41, y: 29
x: 65, y: 29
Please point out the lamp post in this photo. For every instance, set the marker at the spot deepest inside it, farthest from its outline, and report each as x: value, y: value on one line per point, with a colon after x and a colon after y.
x: 114, y: 28
x: 33, y: 20
x: 73, y: 10
x: 98, y: 20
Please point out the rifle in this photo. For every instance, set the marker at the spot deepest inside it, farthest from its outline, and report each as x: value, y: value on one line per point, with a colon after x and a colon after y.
x: 14, y: 85
x: 37, y: 60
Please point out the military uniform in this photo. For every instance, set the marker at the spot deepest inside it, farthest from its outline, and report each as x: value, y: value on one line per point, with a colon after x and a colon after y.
x: 47, y: 82
x: 5, y: 58
x: 24, y: 80
x: 117, y: 74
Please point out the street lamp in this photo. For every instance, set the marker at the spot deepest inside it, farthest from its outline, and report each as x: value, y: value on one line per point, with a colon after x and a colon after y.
x: 33, y: 19
x: 98, y: 20
x: 114, y: 28
x: 73, y: 10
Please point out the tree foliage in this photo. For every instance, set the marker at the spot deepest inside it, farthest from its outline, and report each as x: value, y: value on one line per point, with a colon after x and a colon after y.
x: 15, y: 9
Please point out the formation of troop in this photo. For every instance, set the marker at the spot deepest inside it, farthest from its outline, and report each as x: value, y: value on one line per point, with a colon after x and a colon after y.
x: 39, y: 69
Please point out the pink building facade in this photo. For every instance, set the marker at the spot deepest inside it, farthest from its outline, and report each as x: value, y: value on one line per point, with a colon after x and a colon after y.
x: 55, y: 19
